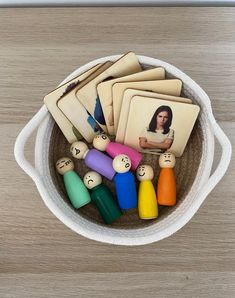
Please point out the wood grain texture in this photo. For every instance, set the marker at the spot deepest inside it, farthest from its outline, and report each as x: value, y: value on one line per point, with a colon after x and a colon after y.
x: 39, y: 256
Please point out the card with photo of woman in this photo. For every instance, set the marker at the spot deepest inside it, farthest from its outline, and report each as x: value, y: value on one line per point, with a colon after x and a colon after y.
x: 170, y: 87
x: 127, y: 98
x: 163, y: 126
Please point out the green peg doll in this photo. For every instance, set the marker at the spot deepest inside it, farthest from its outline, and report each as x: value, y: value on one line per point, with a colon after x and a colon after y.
x: 76, y: 190
x: 102, y: 197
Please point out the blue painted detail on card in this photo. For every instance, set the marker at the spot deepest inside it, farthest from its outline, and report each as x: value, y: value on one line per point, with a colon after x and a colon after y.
x: 98, y: 113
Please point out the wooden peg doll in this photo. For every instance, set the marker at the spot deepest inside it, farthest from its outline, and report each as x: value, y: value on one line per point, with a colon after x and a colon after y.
x: 76, y: 190
x: 124, y: 182
x: 147, y: 199
x: 102, y: 197
x: 94, y: 159
x: 166, y: 187
x: 102, y: 143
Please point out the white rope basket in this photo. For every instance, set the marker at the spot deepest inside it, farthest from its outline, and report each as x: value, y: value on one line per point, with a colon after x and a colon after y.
x: 202, y: 185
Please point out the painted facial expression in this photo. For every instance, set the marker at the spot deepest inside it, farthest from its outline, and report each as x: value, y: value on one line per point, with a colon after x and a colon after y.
x: 162, y: 118
x: 101, y: 141
x: 121, y: 163
x: 78, y: 149
x: 167, y: 160
x: 144, y: 172
x: 92, y: 179
x: 64, y: 165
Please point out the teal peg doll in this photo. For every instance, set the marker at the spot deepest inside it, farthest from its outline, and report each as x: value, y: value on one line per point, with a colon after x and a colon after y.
x: 102, y: 197
x: 76, y: 190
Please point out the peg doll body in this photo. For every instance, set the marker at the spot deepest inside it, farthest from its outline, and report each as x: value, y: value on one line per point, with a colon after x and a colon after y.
x: 166, y: 187
x: 147, y: 199
x: 102, y: 142
x: 102, y: 197
x: 94, y: 159
x: 124, y: 182
x: 76, y: 190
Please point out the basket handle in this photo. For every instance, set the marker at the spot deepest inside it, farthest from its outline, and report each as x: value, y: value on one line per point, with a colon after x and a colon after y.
x: 221, y: 167
x: 21, y: 141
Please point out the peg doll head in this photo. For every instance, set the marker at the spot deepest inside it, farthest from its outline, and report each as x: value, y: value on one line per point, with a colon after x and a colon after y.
x: 64, y: 165
x: 144, y: 172
x: 79, y: 149
x: 167, y: 160
x: 92, y: 179
x: 101, y: 141
x: 121, y: 163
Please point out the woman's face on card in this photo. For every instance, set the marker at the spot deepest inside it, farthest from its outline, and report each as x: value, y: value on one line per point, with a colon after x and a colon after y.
x: 162, y: 118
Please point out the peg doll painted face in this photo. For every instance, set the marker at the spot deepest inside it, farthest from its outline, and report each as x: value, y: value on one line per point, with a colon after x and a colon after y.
x: 167, y: 160
x: 92, y: 179
x: 144, y: 172
x: 101, y: 141
x: 64, y: 165
x: 78, y: 149
x: 121, y: 163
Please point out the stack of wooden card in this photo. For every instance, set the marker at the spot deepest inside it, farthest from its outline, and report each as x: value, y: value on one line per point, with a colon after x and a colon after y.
x: 142, y: 108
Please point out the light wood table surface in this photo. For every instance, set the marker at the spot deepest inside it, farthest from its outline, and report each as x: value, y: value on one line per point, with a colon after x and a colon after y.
x: 39, y: 256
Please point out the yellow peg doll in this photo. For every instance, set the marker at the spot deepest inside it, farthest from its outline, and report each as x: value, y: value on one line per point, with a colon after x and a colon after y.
x: 147, y: 199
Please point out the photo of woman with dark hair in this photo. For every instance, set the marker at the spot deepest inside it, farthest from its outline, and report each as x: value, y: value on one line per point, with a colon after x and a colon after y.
x: 158, y: 135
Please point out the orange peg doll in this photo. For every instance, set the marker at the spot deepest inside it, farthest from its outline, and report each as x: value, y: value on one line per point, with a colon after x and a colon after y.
x: 166, y: 187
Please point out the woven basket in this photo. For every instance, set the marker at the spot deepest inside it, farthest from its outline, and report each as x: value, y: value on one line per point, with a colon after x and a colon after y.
x: 192, y: 170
